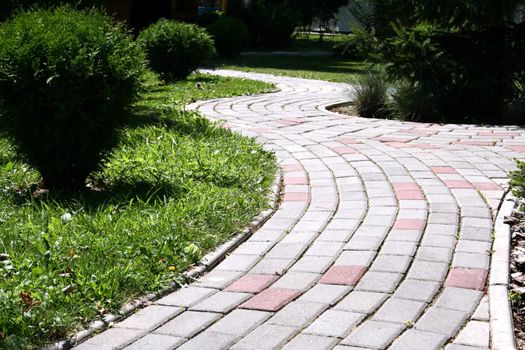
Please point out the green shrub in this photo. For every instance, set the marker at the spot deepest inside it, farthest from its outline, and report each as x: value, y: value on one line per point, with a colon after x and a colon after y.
x: 518, y: 180
x: 66, y: 78
x: 175, y: 49
x: 230, y: 36
x: 371, y: 96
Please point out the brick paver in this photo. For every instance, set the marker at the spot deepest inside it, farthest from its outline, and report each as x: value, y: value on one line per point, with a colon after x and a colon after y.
x: 381, y: 240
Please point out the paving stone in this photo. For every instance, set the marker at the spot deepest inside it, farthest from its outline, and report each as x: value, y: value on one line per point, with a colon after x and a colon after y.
x: 188, y: 324
x: 442, y: 321
x: 240, y: 322
x: 432, y: 240
x: 391, y: 263
x: 286, y: 250
x: 313, y: 264
x: 398, y: 248
x: 475, y: 333
x: 379, y: 282
x: 459, y: 299
x: 266, y: 337
x: 438, y: 254
x: 466, y: 278
x: 482, y: 311
x: 364, y: 243
x: 186, y: 297
x: 334, y: 323
x: 325, y: 294
x: 462, y: 347
x: 272, y: 266
x: 473, y: 246
x: 361, y: 302
x: 222, y: 302
x: 417, y: 290
x: 343, y: 275
x: 399, y: 310
x: 409, y: 224
x: 156, y: 342
x: 310, y: 342
x: 373, y: 334
x: 150, y: 317
x: 238, y: 262
x: 217, y: 279
x: 325, y: 249
x: 252, y: 283
x: 355, y: 258
x: 477, y: 233
x: 417, y: 340
x: 404, y: 235
x: 297, y: 314
x: 209, y: 341
x: 254, y: 248
x: 471, y: 261
x: 113, y: 338
x: 427, y: 270
x: 297, y: 280
x: 271, y: 299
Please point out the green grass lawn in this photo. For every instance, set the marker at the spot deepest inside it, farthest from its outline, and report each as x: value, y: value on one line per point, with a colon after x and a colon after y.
x: 328, y: 68
x: 311, y: 42
x: 174, y: 188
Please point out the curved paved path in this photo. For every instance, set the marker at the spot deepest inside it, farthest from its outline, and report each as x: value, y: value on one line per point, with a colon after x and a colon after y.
x: 382, y: 239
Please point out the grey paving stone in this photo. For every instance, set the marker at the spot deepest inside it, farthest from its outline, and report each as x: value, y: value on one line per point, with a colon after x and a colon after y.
x: 459, y: 299
x: 297, y: 280
x: 364, y: 243
x: 471, y: 261
x: 361, y: 302
x: 325, y: 249
x: 267, y: 235
x: 417, y: 340
x: 404, y: 235
x: 313, y: 264
x: 430, y: 240
x: 398, y: 248
x: 186, y: 296
x: 383, y: 282
x: 222, y: 302
x: 150, y: 317
x: 254, y: 248
x: 156, y: 342
x: 286, y: 250
x: 335, y: 236
x: 355, y: 258
x: 113, y: 338
x: 240, y: 322
x: 238, y: 262
x: 427, y: 270
x: 209, y: 341
x: 399, y: 310
x: 334, y: 323
x: 272, y: 266
x: 443, y: 321
x: 391, y: 263
x: 477, y: 234
x: 310, y: 342
x: 218, y: 279
x: 473, y: 246
x: 374, y: 335
x: 475, y: 333
x: 438, y: 254
x: 188, y: 324
x: 462, y: 347
x: 417, y: 290
x: 266, y: 337
x: 328, y: 294
x: 297, y: 314
x: 482, y: 311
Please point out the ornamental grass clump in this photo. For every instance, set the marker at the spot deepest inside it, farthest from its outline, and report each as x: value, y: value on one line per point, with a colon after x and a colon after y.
x: 175, y: 49
x: 67, y: 78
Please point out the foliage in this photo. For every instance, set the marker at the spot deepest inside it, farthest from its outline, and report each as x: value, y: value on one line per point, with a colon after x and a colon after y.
x: 461, y: 59
x: 518, y: 180
x: 175, y: 187
x: 230, y: 36
x: 371, y: 95
x: 321, y: 11
x: 8, y: 7
x: 175, y: 49
x: 66, y: 79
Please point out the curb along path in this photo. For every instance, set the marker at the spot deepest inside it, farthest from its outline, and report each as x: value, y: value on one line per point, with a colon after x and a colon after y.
x: 382, y: 241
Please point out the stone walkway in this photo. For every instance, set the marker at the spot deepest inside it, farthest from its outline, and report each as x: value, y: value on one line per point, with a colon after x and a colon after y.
x: 382, y: 239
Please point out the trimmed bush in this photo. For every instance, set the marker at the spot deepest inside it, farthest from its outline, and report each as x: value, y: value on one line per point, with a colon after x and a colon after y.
x: 175, y: 49
x: 230, y: 36
x: 371, y: 98
x: 66, y: 79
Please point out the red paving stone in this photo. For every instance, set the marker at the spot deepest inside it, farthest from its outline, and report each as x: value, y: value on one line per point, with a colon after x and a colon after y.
x: 292, y: 167
x: 420, y: 132
x: 458, y: 184
x: 271, y: 299
x: 252, y: 283
x: 296, y: 197
x: 260, y: 130
x: 409, y: 195
x: 343, y: 275
x: 466, y: 278
x: 424, y: 145
x: 409, y: 224
x: 398, y: 145
x: 345, y: 150
x: 518, y: 148
x: 302, y: 180
x: 487, y: 186
x: 443, y: 170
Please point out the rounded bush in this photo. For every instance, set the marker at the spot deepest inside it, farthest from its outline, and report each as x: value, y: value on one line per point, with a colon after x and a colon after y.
x: 175, y: 49
x: 230, y: 36
x: 66, y: 79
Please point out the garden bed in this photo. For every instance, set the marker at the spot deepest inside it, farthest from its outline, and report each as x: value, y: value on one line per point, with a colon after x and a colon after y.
x: 174, y: 188
x: 517, y: 278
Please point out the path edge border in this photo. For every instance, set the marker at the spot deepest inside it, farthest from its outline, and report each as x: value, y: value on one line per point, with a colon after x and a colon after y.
x: 207, y: 263
x: 501, y: 320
